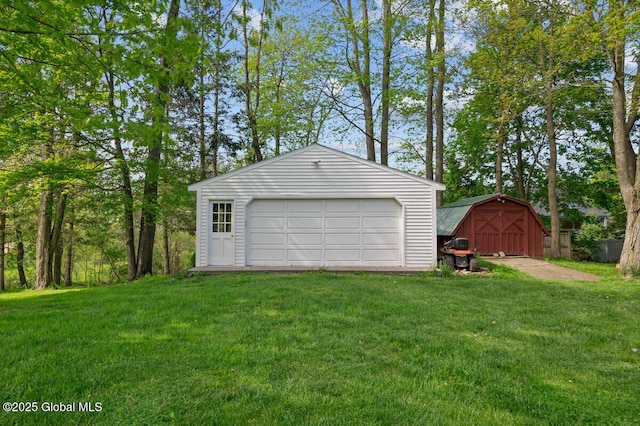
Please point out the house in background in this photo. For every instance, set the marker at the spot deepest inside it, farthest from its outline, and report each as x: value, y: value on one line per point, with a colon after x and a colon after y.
x: 494, y: 223
x: 318, y: 208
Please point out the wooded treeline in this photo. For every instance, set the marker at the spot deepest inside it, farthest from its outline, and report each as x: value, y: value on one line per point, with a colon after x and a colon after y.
x: 109, y: 109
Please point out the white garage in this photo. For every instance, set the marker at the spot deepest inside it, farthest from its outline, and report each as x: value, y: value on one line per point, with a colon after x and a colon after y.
x: 318, y: 208
x: 361, y: 232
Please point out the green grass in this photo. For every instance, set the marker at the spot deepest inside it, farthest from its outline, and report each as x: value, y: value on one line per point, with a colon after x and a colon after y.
x: 322, y: 348
x: 606, y: 270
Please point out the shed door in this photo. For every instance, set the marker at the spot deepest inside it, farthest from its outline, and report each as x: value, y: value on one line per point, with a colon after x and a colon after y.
x: 499, y: 230
x: 324, y: 233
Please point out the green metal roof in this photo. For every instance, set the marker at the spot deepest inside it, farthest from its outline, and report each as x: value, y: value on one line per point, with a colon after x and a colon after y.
x: 450, y: 216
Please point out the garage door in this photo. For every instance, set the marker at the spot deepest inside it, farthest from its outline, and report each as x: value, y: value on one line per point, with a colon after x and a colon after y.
x: 324, y: 233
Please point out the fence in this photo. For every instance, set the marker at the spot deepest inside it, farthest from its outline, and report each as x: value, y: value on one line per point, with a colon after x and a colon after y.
x: 609, y: 250
x: 565, y: 244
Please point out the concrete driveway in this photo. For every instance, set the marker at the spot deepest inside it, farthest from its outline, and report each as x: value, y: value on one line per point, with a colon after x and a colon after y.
x: 541, y: 269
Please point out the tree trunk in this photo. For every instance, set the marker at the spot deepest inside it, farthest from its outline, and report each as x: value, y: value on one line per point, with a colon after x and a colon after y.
x: 56, y: 238
x: 152, y: 167
x: 627, y: 162
x: 359, y: 62
x: 217, y: 91
x: 20, y: 257
x: 56, y: 267
x: 552, y: 174
x: 43, y: 241
x: 364, y: 80
x: 431, y: 82
x: 440, y: 100
x: 522, y: 192
x: 125, y: 175
x: 150, y: 202
x: 499, y: 155
x: 630, y: 257
x: 215, y: 137
x: 3, y: 228
x: 68, y: 269
x: 201, y: 125
x: 387, y: 19
x: 166, y: 250
x: 252, y: 103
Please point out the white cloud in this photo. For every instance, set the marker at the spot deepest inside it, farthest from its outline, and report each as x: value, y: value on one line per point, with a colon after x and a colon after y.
x: 255, y: 22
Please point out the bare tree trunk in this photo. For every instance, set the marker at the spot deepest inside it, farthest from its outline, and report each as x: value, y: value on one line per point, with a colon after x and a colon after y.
x: 68, y: 269
x: 552, y: 176
x: 166, y: 250
x: 20, y: 257
x: 43, y: 241
x: 217, y: 89
x: 627, y: 162
x: 123, y: 169
x: 552, y: 192
x: 431, y: 82
x: 387, y: 22
x: 152, y: 167
x: 522, y: 192
x: 360, y: 64
x: 364, y: 80
x: 56, y: 237
x: 499, y: 155
x: 252, y: 104
x: 58, y: 252
x: 127, y: 211
x: 3, y: 228
x: 440, y: 100
x: 201, y: 126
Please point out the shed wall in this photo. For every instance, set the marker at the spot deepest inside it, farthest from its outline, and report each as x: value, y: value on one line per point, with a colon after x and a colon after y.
x: 503, y: 227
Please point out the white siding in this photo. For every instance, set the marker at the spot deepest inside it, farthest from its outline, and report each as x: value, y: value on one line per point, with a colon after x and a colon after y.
x: 317, y: 172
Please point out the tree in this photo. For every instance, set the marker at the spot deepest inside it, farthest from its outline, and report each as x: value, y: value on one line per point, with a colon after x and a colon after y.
x: 3, y: 228
x: 294, y: 108
x: 616, y: 27
x: 540, y: 46
x: 253, y: 40
x: 358, y: 58
x: 155, y: 143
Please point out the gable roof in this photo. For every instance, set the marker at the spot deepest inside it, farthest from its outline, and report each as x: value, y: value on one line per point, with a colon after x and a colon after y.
x: 313, y: 147
x: 449, y: 217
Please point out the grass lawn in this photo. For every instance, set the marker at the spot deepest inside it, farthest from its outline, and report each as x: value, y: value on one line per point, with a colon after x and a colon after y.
x: 322, y: 348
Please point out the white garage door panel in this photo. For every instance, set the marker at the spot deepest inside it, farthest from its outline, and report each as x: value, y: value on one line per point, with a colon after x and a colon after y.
x: 297, y: 255
x: 340, y: 206
x: 342, y: 255
x: 324, y: 233
x: 263, y: 238
x: 304, y: 240
x: 331, y: 238
x: 378, y: 223
x: 342, y: 223
x: 269, y: 255
x: 380, y: 255
x: 386, y: 239
x: 268, y: 223
x: 304, y: 223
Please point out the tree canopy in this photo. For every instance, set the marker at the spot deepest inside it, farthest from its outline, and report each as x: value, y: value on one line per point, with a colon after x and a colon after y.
x: 109, y: 109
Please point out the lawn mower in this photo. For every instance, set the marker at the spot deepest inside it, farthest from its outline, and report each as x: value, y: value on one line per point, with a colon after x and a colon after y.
x: 457, y: 255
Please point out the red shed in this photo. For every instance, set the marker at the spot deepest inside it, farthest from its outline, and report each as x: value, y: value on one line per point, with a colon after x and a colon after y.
x: 494, y: 223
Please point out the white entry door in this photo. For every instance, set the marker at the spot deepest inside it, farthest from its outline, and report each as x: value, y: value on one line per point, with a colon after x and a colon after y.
x: 221, y: 241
